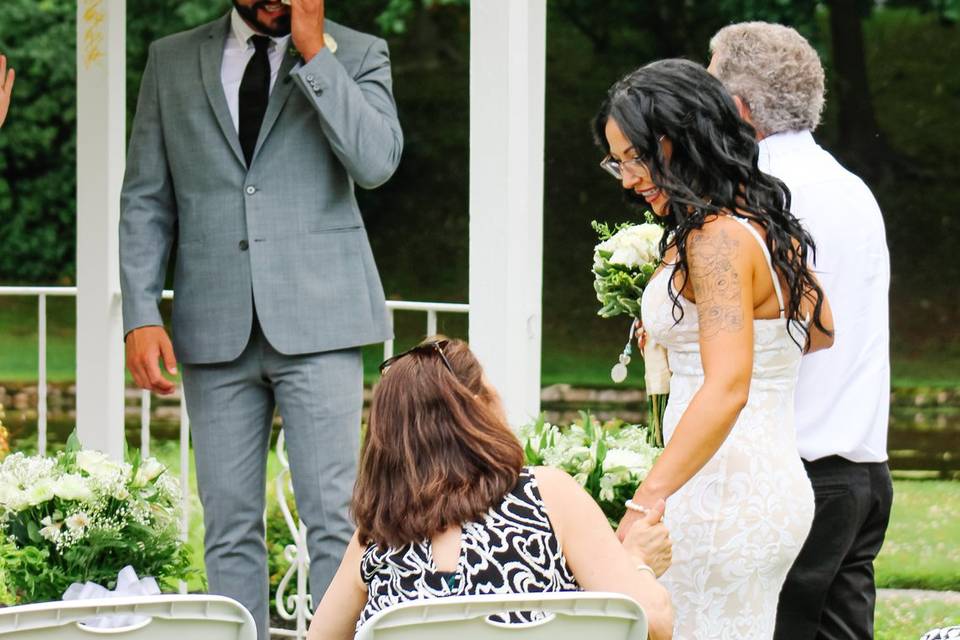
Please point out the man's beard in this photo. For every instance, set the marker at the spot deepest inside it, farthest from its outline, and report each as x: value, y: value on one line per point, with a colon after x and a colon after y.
x: 280, y: 29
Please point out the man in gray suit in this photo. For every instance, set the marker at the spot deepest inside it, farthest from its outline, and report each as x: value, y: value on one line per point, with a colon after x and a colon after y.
x: 244, y: 152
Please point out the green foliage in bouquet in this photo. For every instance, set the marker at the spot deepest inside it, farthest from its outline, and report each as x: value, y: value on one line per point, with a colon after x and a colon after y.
x: 609, y: 460
x: 623, y: 263
x: 80, y: 516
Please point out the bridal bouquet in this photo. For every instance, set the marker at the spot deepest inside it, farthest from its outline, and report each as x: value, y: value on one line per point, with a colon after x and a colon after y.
x: 623, y: 263
x: 608, y: 460
x: 81, y: 516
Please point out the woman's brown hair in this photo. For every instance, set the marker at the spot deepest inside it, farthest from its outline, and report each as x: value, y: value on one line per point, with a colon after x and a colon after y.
x: 438, y: 451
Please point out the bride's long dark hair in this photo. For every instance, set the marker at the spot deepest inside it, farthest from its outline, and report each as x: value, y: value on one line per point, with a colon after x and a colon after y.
x: 712, y: 170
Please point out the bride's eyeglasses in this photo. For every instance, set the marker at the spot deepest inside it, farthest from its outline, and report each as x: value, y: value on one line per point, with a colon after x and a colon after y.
x: 633, y: 167
x: 434, y: 346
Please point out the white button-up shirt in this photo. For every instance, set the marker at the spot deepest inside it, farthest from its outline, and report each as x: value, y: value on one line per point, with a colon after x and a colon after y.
x: 237, y: 52
x: 843, y: 395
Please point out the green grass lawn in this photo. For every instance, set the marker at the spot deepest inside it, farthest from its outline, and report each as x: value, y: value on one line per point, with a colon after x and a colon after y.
x: 908, y: 618
x: 922, y: 547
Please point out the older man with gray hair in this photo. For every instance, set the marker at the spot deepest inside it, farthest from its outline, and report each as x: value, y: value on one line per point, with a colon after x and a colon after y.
x: 842, y: 398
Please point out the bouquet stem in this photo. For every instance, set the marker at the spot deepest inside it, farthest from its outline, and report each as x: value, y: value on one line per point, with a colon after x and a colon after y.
x: 657, y: 406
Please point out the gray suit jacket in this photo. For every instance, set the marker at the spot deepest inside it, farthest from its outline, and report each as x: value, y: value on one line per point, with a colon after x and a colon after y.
x: 286, y: 235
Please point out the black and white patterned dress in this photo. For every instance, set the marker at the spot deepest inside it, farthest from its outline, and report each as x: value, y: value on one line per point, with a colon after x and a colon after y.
x: 513, y: 549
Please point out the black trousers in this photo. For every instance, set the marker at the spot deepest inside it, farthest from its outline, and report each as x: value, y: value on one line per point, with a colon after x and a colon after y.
x: 829, y: 593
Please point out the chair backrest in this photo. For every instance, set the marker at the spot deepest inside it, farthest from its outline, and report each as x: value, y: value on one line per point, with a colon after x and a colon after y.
x: 571, y: 616
x: 177, y: 617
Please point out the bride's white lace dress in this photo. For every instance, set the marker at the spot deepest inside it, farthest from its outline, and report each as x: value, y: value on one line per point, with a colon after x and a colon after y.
x: 739, y: 523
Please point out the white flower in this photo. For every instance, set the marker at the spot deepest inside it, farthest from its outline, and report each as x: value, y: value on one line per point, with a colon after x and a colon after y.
x: 633, y: 246
x: 97, y: 464
x: 149, y: 469
x: 623, y: 459
x: 14, y: 499
x: 40, y: 492
x: 78, y: 521
x: 51, y: 532
x: 72, y: 486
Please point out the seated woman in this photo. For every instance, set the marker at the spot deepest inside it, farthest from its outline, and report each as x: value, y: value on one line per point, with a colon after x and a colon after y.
x: 444, y: 506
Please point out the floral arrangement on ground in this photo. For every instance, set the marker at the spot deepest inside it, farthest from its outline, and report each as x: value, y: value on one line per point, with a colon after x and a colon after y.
x: 80, y: 516
x: 609, y: 460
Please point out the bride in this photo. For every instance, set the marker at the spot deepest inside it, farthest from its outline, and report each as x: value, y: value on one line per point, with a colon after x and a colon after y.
x: 736, y: 304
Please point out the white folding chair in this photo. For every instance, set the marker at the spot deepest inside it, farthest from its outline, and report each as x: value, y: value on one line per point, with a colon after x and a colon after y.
x: 570, y: 616
x: 171, y: 617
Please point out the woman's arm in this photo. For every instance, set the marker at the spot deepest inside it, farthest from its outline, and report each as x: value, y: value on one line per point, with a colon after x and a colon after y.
x: 818, y: 339
x: 721, y: 268
x: 337, y: 614
x: 598, y: 561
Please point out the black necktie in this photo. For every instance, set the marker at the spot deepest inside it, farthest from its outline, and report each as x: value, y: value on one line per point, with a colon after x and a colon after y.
x: 254, y: 94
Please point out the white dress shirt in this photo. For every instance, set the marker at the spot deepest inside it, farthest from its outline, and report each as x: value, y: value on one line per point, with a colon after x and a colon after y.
x: 237, y: 52
x: 843, y: 395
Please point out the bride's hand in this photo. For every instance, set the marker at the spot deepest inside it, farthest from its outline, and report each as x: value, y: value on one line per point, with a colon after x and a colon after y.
x: 648, y: 540
x: 641, y: 337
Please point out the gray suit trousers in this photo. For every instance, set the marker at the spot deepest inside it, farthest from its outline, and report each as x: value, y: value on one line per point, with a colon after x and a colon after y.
x: 231, y: 407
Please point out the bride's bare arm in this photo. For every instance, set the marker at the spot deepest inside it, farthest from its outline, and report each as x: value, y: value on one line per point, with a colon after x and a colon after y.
x: 721, y: 268
x: 598, y: 561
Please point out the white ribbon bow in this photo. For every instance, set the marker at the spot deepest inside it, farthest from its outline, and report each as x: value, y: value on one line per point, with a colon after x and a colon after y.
x: 127, y: 585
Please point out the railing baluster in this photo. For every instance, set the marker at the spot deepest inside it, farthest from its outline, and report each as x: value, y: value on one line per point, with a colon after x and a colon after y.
x: 184, y: 474
x: 303, y: 614
x: 388, y: 345
x: 145, y: 423
x: 42, y: 374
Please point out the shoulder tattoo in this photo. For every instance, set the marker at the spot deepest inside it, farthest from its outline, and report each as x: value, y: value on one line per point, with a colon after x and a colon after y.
x: 716, y: 284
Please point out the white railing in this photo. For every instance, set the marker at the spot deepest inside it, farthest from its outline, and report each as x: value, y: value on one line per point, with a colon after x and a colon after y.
x: 294, y: 607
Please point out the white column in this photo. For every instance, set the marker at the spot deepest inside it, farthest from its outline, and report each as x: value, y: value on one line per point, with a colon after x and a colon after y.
x: 507, y: 57
x: 101, y: 142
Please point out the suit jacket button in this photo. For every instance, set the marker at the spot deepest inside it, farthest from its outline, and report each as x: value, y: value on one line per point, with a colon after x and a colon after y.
x: 243, y: 245
x: 251, y: 190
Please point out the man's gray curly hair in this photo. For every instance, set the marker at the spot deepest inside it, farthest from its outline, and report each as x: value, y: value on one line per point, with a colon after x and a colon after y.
x: 774, y: 70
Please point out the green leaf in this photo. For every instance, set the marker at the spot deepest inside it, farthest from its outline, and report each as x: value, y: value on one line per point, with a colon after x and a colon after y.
x: 73, y: 442
x: 33, y: 532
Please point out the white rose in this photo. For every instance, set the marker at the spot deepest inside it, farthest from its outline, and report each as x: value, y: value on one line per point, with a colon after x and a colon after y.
x: 72, y: 486
x: 40, y: 492
x: 634, y: 246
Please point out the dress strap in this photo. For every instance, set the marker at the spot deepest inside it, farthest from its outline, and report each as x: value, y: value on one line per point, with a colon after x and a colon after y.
x: 766, y: 253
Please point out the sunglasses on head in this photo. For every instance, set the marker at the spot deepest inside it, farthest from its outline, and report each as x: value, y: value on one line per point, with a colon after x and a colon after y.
x: 425, y: 348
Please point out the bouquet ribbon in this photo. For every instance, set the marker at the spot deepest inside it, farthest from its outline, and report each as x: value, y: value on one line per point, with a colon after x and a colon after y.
x: 656, y: 368
x: 127, y: 585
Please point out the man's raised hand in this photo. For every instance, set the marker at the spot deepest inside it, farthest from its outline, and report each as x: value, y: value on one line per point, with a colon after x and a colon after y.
x: 306, y: 26
x: 7, y: 77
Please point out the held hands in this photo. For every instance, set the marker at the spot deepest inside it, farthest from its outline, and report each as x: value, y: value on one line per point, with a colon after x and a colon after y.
x: 648, y: 539
x: 307, y: 26
x: 655, y: 506
x: 145, y: 346
x: 7, y: 78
